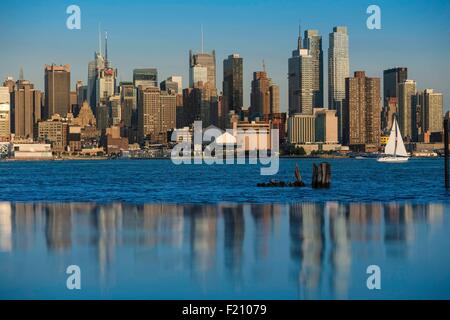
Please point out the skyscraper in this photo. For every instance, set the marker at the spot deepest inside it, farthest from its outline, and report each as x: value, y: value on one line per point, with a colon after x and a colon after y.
x: 202, y: 59
x: 260, y: 95
x: 149, y: 102
x: 27, y: 103
x: 362, y: 110
x: 233, y: 92
x: 300, y: 82
x: 433, y: 111
x: 406, y: 101
x: 145, y: 77
x: 391, y: 79
x: 94, y: 68
x: 57, y: 90
x: 313, y: 42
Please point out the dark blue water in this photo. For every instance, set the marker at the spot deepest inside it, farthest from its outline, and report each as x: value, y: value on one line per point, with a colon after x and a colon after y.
x: 153, y: 230
x: 161, y: 181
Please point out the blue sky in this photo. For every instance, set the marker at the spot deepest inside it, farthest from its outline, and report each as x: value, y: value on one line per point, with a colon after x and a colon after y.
x: 156, y: 33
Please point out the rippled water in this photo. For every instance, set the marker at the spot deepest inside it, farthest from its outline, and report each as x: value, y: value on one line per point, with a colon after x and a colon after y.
x: 161, y: 181
x: 153, y: 230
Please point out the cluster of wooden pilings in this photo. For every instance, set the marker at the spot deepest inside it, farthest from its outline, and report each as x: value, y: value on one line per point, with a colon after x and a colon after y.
x: 321, y: 178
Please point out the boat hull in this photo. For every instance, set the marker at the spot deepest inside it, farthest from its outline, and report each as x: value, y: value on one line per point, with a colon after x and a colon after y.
x: 393, y: 159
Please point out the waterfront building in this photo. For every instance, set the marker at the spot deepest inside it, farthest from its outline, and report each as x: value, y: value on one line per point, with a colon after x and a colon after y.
x: 301, y: 129
x: 326, y: 126
x: 362, y: 111
x: 313, y: 43
x: 406, y: 101
x: 233, y: 92
x: 114, y: 142
x: 41, y: 151
x: 54, y: 131
x: 57, y: 90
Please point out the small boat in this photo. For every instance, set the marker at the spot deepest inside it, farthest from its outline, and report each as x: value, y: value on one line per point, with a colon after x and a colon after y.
x: 395, y: 151
x: 360, y: 158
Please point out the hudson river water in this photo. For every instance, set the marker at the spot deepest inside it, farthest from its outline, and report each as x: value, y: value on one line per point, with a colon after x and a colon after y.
x: 154, y: 230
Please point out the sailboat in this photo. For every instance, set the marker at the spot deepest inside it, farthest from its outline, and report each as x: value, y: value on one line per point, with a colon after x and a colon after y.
x: 395, y: 148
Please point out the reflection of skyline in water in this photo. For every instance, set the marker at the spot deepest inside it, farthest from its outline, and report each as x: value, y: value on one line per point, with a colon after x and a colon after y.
x: 224, y: 238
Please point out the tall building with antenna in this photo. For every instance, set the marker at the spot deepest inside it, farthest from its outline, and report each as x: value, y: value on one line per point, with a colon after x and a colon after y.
x: 313, y: 42
x: 197, y: 64
x: 300, y: 80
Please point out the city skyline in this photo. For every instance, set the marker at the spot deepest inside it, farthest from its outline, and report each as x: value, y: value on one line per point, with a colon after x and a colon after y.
x: 127, y: 52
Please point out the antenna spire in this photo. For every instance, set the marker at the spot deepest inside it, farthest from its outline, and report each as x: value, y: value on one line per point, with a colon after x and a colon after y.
x: 99, y: 39
x: 202, y: 36
x: 264, y: 65
x: 106, y: 48
x: 21, y: 74
x: 299, y: 44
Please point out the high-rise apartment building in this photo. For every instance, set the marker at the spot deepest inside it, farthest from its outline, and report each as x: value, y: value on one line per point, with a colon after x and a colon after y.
x: 156, y: 114
x: 362, y: 110
x: 179, y: 81
x: 406, y: 103
x: 233, y: 92
x: 313, y: 43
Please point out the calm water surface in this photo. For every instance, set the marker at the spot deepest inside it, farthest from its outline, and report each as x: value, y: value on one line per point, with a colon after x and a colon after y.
x: 153, y: 230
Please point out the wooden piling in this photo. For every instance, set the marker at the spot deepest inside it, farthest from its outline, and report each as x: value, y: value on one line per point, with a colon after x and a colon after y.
x: 446, y: 129
x: 321, y: 177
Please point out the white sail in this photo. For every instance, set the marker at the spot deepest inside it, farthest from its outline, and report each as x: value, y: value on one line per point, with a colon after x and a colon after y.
x: 395, y: 145
x: 401, y: 150
x: 390, y: 146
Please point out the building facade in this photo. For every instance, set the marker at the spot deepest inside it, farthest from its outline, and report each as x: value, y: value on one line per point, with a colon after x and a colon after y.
x: 233, y: 89
x: 362, y: 111
x: 57, y: 90
x: 313, y: 43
